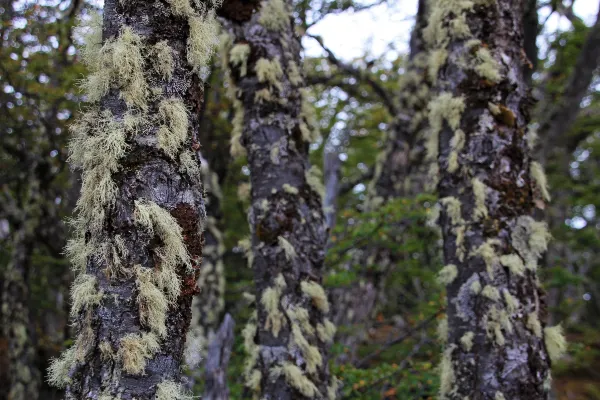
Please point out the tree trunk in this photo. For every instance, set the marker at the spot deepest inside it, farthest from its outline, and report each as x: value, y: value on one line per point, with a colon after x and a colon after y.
x: 217, y: 361
x: 288, y: 341
x: 17, y: 326
x: 138, y: 241
x: 497, y: 346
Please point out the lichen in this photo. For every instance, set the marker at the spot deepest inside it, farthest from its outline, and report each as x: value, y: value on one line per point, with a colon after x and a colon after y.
x: 163, y: 59
x: 58, y: 372
x: 314, y: 178
x: 296, y: 378
x: 556, y: 344
x: 317, y: 294
x: 457, y: 143
x: 171, y: 390
x: 174, y: 129
x: 326, y: 330
x: 288, y: 249
x: 84, y: 294
x: 487, y: 67
x: 238, y: 56
x: 467, y: 341
x: 453, y: 209
x: 135, y: 349
x: 539, y: 177
x: 202, y: 40
x: 442, y: 329
x: 514, y: 263
x: 491, y: 293
x: 290, y: 189
x: 447, y: 275
x: 310, y: 353
x: 480, y: 210
x: 152, y: 302
x: 269, y: 71
x: 512, y: 304
x: 270, y: 300
x: 447, y: 376
x: 488, y: 254
x: 274, y: 15
x: 533, y: 323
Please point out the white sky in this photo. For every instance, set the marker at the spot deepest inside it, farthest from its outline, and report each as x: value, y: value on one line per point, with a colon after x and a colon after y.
x: 351, y: 35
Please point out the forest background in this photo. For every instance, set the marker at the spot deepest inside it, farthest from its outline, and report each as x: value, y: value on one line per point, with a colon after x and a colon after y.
x: 392, y: 351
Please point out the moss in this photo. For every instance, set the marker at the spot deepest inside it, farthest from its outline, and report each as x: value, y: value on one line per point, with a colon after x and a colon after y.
x: 534, y: 325
x: 274, y: 15
x: 514, y: 263
x: 163, y: 59
x: 288, y: 249
x: 556, y: 344
x: 84, y: 294
x: 480, y: 210
x: 467, y: 341
x: 448, y: 274
x: 135, y: 349
x: 296, y: 378
x: 270, y: 300
x: 203, y: 38
x: 539, y: 177
x: 269, y: 71
x: 58, y: 371
x: 290, y: 189
x: 487, y: 67
x: 170, y: 390
x: 317, y: 294
x: 174, y: 129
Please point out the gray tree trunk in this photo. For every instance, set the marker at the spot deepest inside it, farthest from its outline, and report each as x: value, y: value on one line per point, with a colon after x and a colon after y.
x: 217, y: 360
x: 288, y: 341
x: 138, y: 241
x: 497, y: 344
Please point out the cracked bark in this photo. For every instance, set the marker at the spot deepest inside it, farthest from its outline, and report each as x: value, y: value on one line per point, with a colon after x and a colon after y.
x: 145, y: 173
x: 294, y: 215
x: 506, y: 355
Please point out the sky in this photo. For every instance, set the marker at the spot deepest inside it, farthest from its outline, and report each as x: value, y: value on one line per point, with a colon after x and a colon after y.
x: 351, y: 35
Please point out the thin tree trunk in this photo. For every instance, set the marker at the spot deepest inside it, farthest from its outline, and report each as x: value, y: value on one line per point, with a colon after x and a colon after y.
x: 17, y: 326
x: 497, y: 346
x: 217, y: 361
x: 288, y: 341
x: 138, y: 241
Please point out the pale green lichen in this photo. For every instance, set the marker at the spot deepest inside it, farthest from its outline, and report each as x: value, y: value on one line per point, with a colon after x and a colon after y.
x: 487, y: 67
x: 488, y: 254
x: 512, y: 304
x: 448, y: 274
x: 295, y: 378
x: 445, y: 107
x: 238, y: 56
x: 491, y: 293
x: 533, y: 323
x: 163, y: 59
x: 314, y: 178
x: 135, y: 350
x: 311, y: 354
x: 58, y: 371
x: 84, y: 294
x: 476, y: 287
x: 556, y: 343
x: 152, y: 302
x: 317, y: 294
x: 290, y: 189
x: 309, y: 125
x: 174, y: 129
x: 326, y: 330
x: 274, y: 15
x: 480, y: 210
x: 539, y: 177
x: 457, y: 143
x: 269, y: 71
x: 288, y: 249
x: 270, y: 300
x: 202, y: 40
x: 437, y: 59
x: 514, y: 263
x: 442, y: 329
x: 171, y: 390
x: 294, y: 74
x: 499, y: 396
x: 453, y: 209
x: 447, y: 376
x: 530, y: 238
x: 467, y: 341
x: 181, y: 7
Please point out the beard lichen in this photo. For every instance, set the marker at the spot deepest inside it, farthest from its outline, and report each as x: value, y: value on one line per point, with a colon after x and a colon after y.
x: 135, y: 349
x: 238, y: 56
x: 447, y: 274
x: 171, y: 390
x: 269, y: 71
x: 174, y: 126
x: 556, y: 343
x: 296, y: 378
x: 270, y: 300
x: 317, y: 294
x: 84, y: 294
x: 274, y: 15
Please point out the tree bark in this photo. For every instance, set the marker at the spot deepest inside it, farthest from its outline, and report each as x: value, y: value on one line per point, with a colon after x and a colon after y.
x: 496, y: 344
x: 287, y: 343
x: 138, y: 232
x: 217, y: 361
